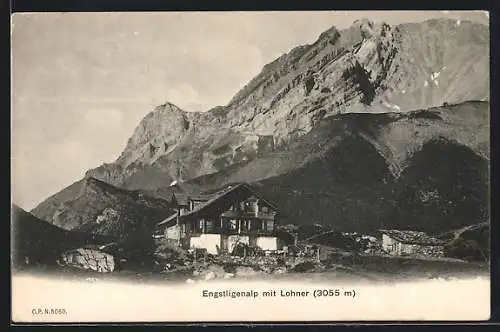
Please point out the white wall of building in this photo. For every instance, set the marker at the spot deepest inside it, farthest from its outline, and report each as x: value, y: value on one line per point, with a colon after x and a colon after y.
x: 267, y: 242
x: 210, y: 242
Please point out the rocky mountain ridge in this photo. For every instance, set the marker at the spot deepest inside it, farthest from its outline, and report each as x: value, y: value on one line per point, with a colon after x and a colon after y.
x: 358, y: 106
x: 426, y: 170
x: 368, y: 68
x: 91, y: 205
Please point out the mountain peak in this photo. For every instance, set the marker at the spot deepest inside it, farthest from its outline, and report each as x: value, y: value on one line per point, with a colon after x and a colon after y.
x: 370, y: 67
x: 362, y: 23
x: 157, y: 133
x: 365, y: 26
x: 167, y: 107
x: 331, y: 33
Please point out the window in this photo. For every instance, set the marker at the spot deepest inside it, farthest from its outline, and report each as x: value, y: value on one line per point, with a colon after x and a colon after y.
x: 270, y: 225
x: 232, y: 224
x: 264, y: 209
x: 249, y: 207
x: 210, y: 225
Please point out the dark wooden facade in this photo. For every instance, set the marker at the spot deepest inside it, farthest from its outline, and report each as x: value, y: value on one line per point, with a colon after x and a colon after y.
x: 238, y: 210
x: 248, y: 216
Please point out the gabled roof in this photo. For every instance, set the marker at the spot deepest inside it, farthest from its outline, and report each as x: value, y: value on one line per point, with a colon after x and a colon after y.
x: 180, y: 199
x: 216, y: 201
x: 412, y: 237
x: 168, y: 221
x: 213, y: 202
x: 201, y: 197
x: 219, y: 202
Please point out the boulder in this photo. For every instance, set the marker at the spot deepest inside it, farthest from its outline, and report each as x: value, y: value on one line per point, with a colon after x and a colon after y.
x: 89, y: 259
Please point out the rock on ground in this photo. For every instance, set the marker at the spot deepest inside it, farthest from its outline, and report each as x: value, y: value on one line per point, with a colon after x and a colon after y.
x: 89, y: 259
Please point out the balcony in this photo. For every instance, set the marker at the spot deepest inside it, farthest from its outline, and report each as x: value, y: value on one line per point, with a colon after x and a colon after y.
x: 249, y: 215
x: 234, y: 232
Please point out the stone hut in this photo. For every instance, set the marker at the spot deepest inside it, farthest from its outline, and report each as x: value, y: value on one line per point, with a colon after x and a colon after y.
x: 411, y: 243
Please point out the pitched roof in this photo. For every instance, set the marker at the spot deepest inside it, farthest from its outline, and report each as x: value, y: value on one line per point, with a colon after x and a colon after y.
x: 223, y: 194
x: 412, y: 237
x: 201, y: 197
x: 181, y: 199
x: 216, y: 201
x: 168, y: 221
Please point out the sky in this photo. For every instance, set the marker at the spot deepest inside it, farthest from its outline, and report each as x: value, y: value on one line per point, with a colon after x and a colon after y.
x: 81, y: 82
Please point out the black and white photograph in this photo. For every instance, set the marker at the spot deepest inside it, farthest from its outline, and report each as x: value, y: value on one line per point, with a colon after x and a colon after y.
x: 259, y: 166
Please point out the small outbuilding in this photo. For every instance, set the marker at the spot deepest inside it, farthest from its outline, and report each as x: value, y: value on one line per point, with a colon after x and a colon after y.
x: 411, y: 243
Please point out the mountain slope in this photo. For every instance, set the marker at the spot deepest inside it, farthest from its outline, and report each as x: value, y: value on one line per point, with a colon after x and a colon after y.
x: 342, y: 131
x: 395, y: 137
x: 472, y: 242
x: 93, y: 206
x: 426, y: 170
x: 369, y: 68
x: 40, y: 241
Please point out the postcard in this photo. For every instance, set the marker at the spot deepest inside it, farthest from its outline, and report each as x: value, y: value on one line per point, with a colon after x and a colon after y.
x: 313, y: 166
